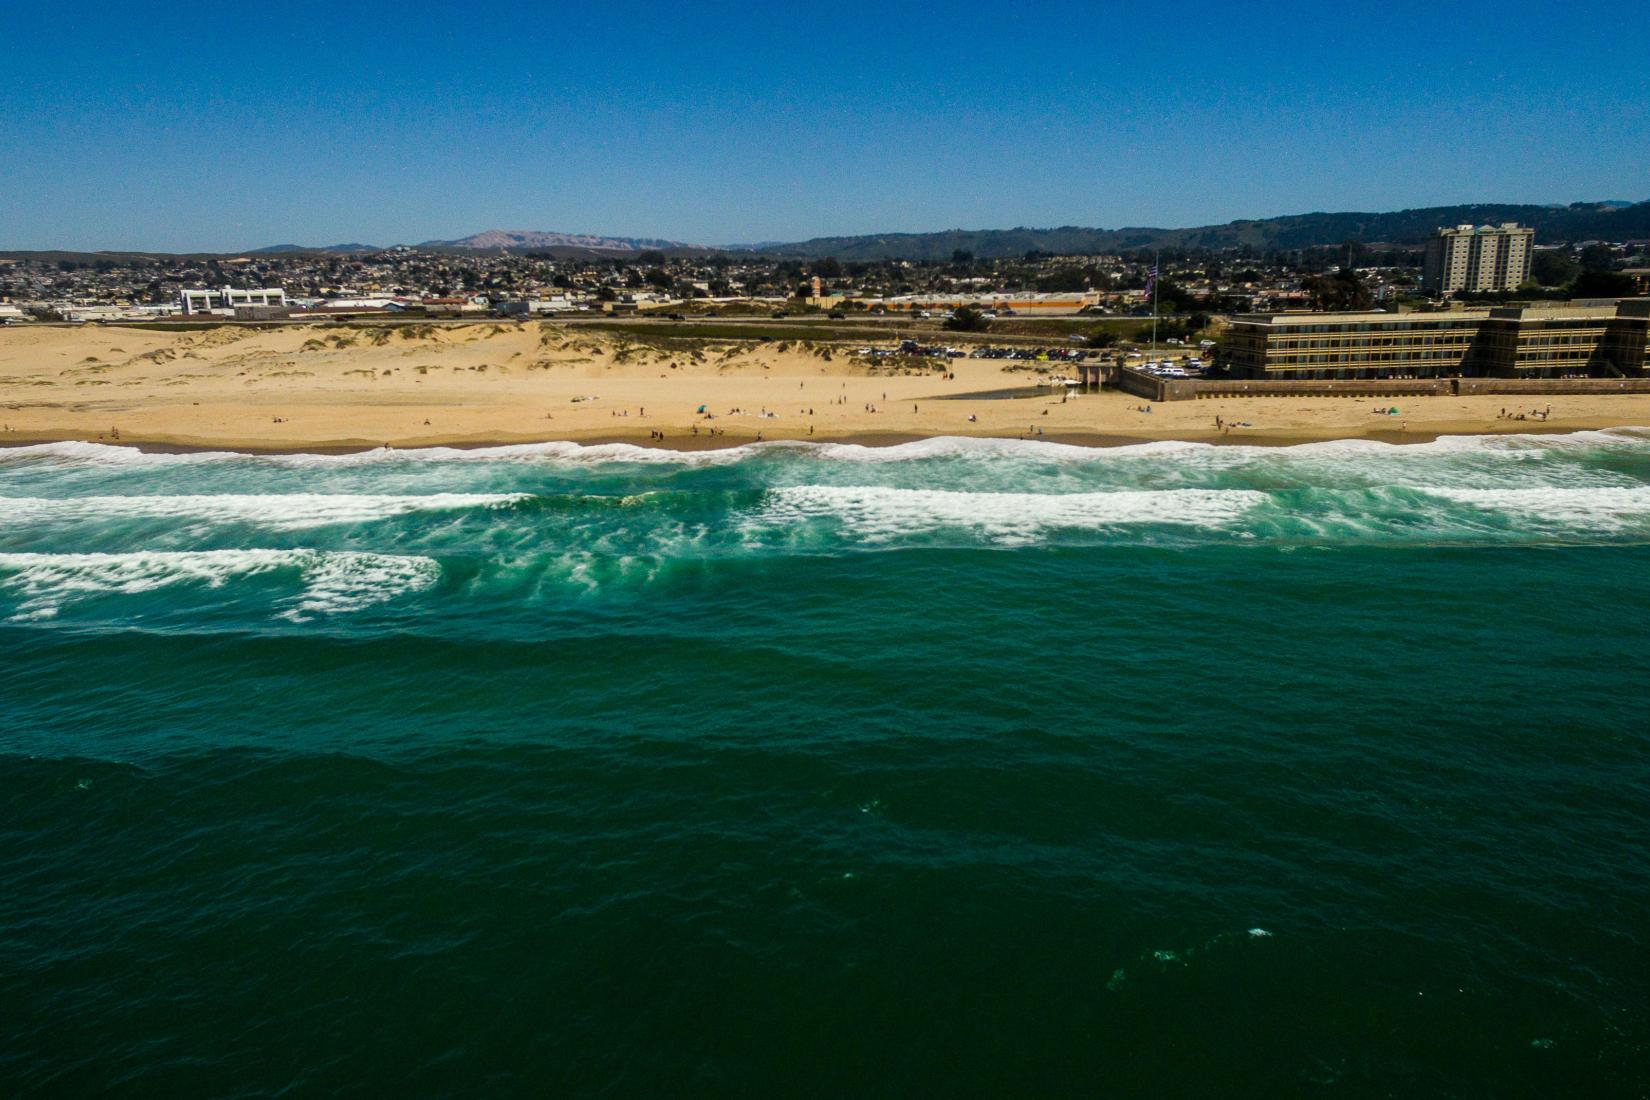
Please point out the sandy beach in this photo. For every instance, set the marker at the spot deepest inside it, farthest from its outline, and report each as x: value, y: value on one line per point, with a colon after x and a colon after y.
x: 303, y: 387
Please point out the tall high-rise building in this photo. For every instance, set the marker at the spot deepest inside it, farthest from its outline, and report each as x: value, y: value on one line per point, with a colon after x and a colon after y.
x: 1478, y: 258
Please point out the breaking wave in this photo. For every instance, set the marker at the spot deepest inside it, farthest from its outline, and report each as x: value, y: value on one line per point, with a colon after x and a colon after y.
x: 333, y: 581
x: 530, y: 526
x: 940, y: 447
x: 1607, y: 508
x: 877, y: 513
x: 290, y: 511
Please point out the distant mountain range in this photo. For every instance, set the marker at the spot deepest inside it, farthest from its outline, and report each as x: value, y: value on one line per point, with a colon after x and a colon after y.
x: 1604, y: 221
x: 356, y: 247
x: 529, y: 240
x: 1613, y: 220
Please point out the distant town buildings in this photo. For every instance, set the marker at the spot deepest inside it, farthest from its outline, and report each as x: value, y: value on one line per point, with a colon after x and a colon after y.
x: 1196, y: 284
x: 1480, y: 259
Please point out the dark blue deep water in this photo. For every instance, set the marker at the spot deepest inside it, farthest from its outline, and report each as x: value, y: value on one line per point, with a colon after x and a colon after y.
x: 956, y: 768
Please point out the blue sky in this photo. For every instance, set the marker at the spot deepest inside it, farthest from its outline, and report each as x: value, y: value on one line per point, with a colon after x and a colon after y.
x: 228, y: 126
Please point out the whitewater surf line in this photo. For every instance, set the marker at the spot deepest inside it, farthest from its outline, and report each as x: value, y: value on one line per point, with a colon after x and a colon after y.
x: 333, y: 581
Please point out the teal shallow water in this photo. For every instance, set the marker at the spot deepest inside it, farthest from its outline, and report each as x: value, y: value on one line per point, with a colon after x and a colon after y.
x: 959, y: 767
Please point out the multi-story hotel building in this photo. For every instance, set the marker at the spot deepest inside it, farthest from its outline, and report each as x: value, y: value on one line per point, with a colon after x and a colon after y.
x: 1562, y: 341
x: 1485, y: 258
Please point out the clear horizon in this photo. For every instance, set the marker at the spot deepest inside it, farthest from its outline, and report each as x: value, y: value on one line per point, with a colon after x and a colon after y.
x: 148, y: 129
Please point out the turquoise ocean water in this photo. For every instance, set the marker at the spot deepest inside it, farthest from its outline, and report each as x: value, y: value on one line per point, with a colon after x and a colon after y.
x: 951, y: 768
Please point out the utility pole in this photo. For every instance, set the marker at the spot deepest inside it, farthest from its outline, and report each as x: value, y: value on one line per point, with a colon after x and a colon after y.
x: 1157, y: 257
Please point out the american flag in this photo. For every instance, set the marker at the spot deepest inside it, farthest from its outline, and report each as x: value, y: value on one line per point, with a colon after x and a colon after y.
x: 1151, y: 280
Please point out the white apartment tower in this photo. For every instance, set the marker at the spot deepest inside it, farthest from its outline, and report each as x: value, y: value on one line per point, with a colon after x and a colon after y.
x: 1482, y: 258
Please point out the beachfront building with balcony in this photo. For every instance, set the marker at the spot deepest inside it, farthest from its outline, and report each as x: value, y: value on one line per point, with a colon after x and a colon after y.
x: 225, y: 299
x: 1563, y: 340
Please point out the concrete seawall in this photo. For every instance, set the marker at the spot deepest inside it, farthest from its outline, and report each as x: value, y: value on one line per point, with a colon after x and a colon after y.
x: 1153, y: 388
x: 1538, y: 386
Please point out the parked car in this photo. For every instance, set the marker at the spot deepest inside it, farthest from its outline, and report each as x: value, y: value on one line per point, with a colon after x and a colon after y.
x: 837, y: 315
x: 779, y: 313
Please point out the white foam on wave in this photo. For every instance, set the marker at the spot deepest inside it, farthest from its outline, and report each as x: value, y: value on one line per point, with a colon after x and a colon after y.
x: 103, y: 454
x: 77, y: 452
x: 1606, y: 508
x: 935, y: 447
x: 954, y: 446
x: 879, y: 513
x: 335, y: 581
x: 282, y: 511
x: 562, y: 452
x: 343, y: 582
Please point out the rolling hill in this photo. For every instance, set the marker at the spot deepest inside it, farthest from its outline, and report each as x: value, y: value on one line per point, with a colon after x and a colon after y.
x: 1578, y: 221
